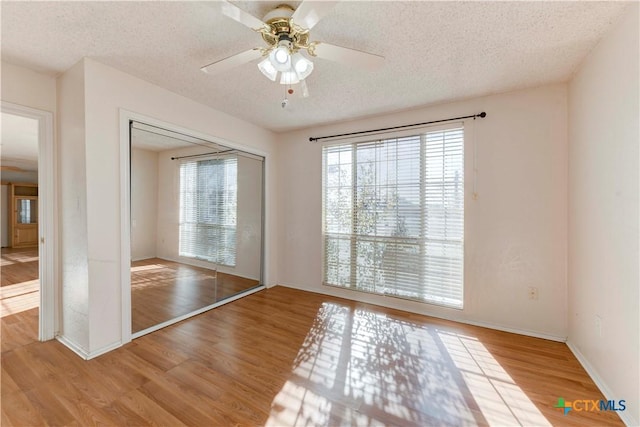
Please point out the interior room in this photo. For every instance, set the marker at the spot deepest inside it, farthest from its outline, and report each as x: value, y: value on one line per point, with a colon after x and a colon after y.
x: 321, y: 213
x: 20, y: 289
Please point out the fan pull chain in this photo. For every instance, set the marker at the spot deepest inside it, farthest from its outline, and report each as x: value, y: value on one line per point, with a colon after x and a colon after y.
x: 285, y: 101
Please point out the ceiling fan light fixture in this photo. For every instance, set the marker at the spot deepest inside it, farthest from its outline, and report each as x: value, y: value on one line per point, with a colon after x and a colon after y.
x: 266, y: 67
x: 289, y: 78
x: 301, y: 65
x: 280, y: 58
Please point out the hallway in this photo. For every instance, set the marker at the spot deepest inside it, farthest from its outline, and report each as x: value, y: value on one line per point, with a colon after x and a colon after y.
x: 19, y: 284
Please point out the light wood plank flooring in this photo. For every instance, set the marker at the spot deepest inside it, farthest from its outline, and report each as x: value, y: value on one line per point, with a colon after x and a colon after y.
x: 162, y: 290
x: 284, y: 357
x: 18, y: 265
x: 19, y: 284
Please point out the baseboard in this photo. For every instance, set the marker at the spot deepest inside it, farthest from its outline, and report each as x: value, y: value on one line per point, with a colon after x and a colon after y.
x: 142, y: 258
x: 481, y: 324
x: 524, y: 332
x: 103, y: 350
x: 86, y: 355
x: 73, y: 347
x: 626, y: 417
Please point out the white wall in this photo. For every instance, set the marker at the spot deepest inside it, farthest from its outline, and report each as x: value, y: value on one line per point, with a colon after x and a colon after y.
x: 249, y: 211
x: 28, y: 88
x: 515, y: 233
x: 604, y: 277
x: 144, y: 203
x: 106, y: 92
x: 72, y: 206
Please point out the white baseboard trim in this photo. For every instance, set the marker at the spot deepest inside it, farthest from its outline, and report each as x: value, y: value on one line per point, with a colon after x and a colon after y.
x: 142, y: 258
x: 626, y: 417
x: 481, y: 324
x: 73, y: 347
x: 86, y: 355
x: 103, y: 350
x: 524, y: 332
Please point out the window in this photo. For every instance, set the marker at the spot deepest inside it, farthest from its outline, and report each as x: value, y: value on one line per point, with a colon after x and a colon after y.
x: 208, y: 210
x: 393, y: 216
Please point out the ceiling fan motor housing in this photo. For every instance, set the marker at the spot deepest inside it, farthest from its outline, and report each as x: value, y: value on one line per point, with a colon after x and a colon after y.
x: 282, y: 29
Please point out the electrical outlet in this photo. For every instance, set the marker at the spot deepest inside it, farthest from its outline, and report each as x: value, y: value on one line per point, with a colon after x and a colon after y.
x: 533, y: 293
x: 599, y: 326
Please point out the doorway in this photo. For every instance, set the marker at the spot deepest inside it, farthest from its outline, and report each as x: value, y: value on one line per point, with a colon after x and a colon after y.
x: 27, y: 288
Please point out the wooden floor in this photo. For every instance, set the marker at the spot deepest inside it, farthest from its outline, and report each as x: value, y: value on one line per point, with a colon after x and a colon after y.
x: 162, y: 290
x: 18, y: 265
x: 19, y: 284
x: 283, y: 357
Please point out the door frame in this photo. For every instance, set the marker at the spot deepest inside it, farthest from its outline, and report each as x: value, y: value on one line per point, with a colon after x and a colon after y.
x: 47, y: 216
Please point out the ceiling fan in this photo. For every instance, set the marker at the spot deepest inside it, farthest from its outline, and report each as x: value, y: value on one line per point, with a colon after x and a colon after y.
x: 285, y: 31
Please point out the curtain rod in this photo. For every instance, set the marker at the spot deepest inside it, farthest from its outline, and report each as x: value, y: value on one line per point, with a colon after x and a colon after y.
x: 313, y: 139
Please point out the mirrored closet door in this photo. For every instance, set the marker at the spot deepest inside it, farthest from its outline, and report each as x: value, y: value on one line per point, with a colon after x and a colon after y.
x: 196, y: 225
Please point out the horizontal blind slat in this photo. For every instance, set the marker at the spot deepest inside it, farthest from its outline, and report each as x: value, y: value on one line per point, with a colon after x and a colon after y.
x: 208, y: 210
x: 394, y: 216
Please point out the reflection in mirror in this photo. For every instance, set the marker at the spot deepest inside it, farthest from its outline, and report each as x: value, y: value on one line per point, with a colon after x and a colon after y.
x: 196, y: 225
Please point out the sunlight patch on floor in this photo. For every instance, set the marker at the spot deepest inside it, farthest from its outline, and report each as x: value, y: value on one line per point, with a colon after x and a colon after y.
x: 18, y: 289
x: 5, y: 262
x: 361, y: 367
x: 148, y: 267
x: 500, y: 399
x: 19, y: 303
x: 19, y: 257
x: 365, y: 368
x: 294, y: 403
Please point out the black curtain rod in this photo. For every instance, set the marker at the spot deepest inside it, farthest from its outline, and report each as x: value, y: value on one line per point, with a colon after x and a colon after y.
x: 203, y: 154
x: 481, y: 115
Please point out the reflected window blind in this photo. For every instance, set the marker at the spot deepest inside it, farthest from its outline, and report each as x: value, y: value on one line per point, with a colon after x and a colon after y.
x: 208, y: 210
x: 393, y: 216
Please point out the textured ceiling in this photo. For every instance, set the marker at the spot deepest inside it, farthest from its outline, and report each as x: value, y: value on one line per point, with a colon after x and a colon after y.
x: 435, y: 51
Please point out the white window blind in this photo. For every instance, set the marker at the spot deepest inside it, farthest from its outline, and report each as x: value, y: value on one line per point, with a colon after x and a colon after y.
x: 208, y: 210
x: 393, y: 216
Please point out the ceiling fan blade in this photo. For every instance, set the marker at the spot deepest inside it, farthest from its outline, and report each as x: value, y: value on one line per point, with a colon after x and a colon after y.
x: 348, y: 56
x: 234, y: 12
x: 232, y: 61
x: 309, y: 13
